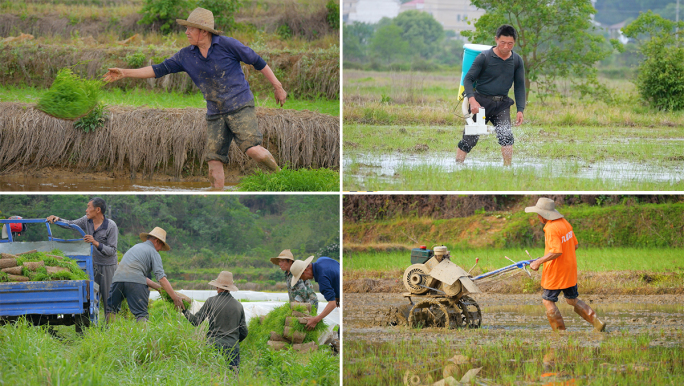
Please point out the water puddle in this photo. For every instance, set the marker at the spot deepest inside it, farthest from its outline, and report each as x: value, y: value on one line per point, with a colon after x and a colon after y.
x: 387, y: 165
x: 34, y: 184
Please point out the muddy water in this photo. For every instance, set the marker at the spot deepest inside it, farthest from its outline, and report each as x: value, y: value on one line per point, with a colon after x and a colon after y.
x: 386, y: 165
x: 86, y: 184
x: 365, y: 315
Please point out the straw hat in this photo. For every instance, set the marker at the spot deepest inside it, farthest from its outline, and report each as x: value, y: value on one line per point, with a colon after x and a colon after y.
x: 200, y: 18
x: 159, y: 234
x: 546, y: 208
x: 298, y: 268
x: 225, y: 281
x: 286, y: 255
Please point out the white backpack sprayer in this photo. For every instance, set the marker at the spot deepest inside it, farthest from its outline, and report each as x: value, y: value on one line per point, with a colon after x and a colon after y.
x: 477, y: 127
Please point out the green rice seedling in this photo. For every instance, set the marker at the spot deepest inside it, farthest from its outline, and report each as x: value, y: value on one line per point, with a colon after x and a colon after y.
x: 165, y: 295
x: 289, y: 180
x: 70, y: 97
x: 4, y: 277
x: 275, y: 321
x: 75, y: 272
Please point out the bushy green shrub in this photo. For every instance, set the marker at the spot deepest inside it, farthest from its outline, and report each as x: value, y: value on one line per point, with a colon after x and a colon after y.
x: 224, y: 11
x: 333, y: 16
x: 164, y: 13
x: 135, y: 60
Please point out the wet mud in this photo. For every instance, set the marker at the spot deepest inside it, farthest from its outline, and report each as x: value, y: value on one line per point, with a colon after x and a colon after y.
x: 369, y: 316
x: 59, y: 179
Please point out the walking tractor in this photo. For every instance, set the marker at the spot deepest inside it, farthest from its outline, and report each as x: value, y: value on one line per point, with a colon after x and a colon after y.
x: 54, y: 302
x: 438, y: 291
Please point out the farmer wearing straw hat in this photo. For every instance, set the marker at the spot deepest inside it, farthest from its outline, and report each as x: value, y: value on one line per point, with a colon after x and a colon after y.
x: 213, y: 63
x: 130, y: 279
x: 302, y: 290
x: 326, y: 272
x: 227, y: 323
x: 560, y: 266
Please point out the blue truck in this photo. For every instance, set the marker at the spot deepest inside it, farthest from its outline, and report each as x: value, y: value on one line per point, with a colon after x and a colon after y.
x: 58, y: 302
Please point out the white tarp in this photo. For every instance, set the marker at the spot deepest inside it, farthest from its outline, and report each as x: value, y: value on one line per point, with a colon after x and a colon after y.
x: 257, y: 304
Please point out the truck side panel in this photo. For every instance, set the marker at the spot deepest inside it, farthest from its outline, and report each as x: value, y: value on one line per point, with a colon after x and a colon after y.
x: 43, y: 297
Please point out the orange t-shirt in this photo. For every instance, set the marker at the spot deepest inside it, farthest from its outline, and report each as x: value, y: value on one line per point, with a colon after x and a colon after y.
x: 561, y: 272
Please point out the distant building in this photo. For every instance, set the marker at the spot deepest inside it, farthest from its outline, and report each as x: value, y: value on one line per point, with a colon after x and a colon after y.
x: 452, y: 14
x: 614, y: 31
x: 369, y: 11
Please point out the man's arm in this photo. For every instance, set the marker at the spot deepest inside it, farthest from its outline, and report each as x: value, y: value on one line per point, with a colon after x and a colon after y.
x: 199, y: 317
x: 152, y: 284
x: 519, y: 91
x: 115, y: 74
x: 548, y: 257
x: 169, y: 290
x: 279, y: 91
x: 108, y: 248
x: 243, y: 327
x: 471, y: 76
x: 312, y: 322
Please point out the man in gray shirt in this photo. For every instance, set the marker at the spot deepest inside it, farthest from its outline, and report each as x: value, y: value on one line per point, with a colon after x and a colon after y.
x: 130, y: 279
x: 103, y: 234
x: 495, y: 71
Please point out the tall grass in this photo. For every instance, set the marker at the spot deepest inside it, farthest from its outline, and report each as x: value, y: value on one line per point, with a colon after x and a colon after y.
x: 588, y: 259
x: 167, y: 350
x: 289, y: 180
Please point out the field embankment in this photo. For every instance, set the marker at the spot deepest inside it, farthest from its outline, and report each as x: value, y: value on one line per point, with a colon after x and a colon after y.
x: 150, y: 141
x: 304, y: 73
x: 646, y: 225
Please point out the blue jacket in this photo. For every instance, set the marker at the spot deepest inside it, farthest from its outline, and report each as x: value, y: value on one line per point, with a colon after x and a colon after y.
x: 326, y: 272
x: 219, y: 75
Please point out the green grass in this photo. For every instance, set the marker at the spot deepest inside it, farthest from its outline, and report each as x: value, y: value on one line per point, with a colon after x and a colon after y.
x: 167, y: 100
x: 588, y: 259
x: 167, y: 350
x: 515, y: 357
x: 289, y: 180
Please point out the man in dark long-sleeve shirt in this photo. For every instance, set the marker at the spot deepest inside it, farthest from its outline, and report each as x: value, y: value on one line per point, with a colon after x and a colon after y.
x: 495, y: 71
x: 103, y: 234
x: 213, y: 64
x: 226, y: 316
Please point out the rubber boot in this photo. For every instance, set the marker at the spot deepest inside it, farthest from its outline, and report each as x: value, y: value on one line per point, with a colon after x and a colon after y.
x: 583, y: 310
x: 555, y: 319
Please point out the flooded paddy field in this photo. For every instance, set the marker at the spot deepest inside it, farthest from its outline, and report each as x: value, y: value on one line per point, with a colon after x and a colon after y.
x: 515, y: 345
x: 405, y: 157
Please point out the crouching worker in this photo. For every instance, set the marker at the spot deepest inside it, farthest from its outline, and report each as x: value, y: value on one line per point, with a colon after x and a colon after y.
x: 302, y: 291
x: 226, y: 317
x: 326, y: 272
x: 130, y: 279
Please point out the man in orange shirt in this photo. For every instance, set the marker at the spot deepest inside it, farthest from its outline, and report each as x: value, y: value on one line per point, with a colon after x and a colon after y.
x: 560, y: 266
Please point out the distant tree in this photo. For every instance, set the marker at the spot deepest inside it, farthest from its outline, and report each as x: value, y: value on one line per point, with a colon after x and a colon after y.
x: 164, y: 13
x: 356, y: 38
x: 661, y: 75
x: 224, y: 12
x: 422, y: 32
x: 388, y: 44
x: 555, y: 39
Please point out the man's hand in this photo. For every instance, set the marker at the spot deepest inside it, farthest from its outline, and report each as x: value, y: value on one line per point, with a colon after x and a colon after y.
x: 177, y: 301
x: 114, y: 74
x: 280, y: 95
x: 535, y: 265
x: 519, y: 118
x: 474, y: 106
x: 311, y: 323
x: 91, y: 239
x: 52, y: 219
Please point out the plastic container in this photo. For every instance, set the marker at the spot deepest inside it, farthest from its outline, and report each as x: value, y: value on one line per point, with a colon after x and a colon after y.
x: 470, y: 52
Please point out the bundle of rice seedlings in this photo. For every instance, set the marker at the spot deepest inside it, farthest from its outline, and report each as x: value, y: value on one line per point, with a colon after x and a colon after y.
x: 289, y: 180
x: 42, y: 266
x: 275, y: 321
x: 70, y: 97
x: 167, y: 297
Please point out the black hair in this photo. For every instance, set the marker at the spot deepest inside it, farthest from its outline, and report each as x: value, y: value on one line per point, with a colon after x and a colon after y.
x: 507, y: 30
x: 99, y: 203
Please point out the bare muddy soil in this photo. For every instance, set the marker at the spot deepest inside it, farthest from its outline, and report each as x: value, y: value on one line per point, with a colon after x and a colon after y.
x: 64, y: 179
x: 366, y: 315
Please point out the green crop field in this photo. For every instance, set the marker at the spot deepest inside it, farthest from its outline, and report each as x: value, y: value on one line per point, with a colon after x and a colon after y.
x: 588, y: 259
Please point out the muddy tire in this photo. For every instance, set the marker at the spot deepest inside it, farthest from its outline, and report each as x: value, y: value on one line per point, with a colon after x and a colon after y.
x: 470, y: 311
x: 429, y: 313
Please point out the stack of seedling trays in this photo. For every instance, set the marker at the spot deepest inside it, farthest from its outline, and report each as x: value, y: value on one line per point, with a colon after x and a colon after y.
x: 39, y: 266
x: 294, y: 333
